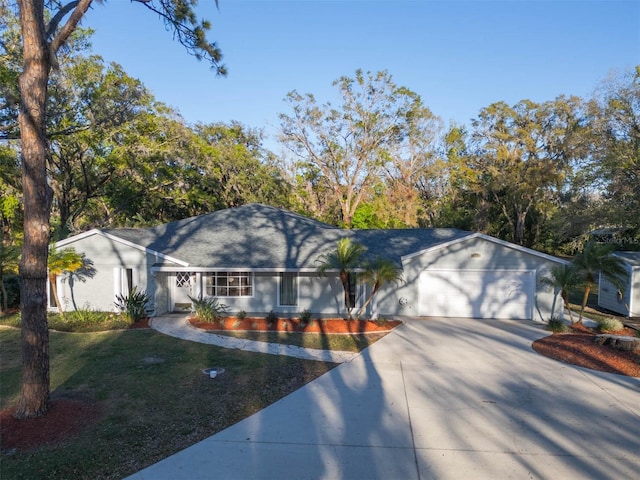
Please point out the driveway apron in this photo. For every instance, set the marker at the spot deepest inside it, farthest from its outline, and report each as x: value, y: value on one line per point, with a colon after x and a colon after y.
x: 436, y: 398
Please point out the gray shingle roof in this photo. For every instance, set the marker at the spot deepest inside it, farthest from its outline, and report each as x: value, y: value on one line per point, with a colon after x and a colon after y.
x: 260, y: 237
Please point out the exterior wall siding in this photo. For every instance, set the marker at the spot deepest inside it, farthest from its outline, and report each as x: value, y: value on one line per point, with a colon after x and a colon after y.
x: 629, y: 303
x: 323, y: 297
x: 98, y: 292
x: 472, y: 254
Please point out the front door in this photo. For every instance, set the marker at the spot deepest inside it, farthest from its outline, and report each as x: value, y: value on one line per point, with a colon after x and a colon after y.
x: 182, y: 290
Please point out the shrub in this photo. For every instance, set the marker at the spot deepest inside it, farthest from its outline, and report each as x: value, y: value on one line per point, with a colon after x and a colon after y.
x: 209, y: 309
x: 134, y: 306
x: 86, y: 314
x: 12, y: 286
x: 381, y: 321
x: 305, y: 316
x: 11, y: 320
x: 241, y: 315
x: 609, y: 324
x: 272, y: 317
x: 80, y: 321
x: 556, y: 325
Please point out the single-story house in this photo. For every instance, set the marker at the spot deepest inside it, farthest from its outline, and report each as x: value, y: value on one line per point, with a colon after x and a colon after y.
x: 257, y: 259
x: 626, y: 301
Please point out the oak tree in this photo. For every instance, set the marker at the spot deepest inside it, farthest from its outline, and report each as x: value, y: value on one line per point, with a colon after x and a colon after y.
x: 379, y: 130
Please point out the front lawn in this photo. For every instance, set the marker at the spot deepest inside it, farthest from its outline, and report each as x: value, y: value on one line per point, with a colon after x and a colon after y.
x: 150, y: 395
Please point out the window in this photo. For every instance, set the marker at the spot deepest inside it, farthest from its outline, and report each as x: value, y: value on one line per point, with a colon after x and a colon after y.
x: 52, y: 296
x: 229, y: 284
x: 129, y: 279
x: 183, y: 279
x: 288, y: 289
x: 352, y: 283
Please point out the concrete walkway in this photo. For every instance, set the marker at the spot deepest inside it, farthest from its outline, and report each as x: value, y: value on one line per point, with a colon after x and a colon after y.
x: 434, y: 399
x: 176, y: 325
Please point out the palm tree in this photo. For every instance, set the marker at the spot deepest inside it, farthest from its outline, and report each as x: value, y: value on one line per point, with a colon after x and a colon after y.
x: 59, y: 262
x: 563, y: 278
x: 597, y: 259
x: 378, y: 273
x: 345, y: 259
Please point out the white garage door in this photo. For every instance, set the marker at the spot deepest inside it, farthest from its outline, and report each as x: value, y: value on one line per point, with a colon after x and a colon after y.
x: 477, y: 293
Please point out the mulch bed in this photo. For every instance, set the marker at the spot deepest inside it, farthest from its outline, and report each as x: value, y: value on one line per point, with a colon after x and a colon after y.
x: 328, y: 326
x: 144, y: 323
x: 66, y: 418
x: 579, y: 348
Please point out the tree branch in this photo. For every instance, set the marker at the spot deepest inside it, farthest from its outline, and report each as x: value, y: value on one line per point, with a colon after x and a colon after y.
x: 68, y: 28
x: 55, y: 21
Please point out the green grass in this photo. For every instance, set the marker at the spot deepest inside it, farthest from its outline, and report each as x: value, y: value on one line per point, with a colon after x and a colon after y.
x: 322, y: 341
x: 557, y: 326
x: 149, y: 409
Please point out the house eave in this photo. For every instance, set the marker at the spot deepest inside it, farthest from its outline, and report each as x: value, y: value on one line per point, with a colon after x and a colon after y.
x: 489, y: 239
x: 169, y: 268
x: 89, y: 233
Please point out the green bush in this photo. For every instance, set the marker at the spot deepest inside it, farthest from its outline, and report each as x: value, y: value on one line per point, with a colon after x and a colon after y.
x: 134, y: 306
x: 86, y: 320
x: 11, y: 320
x: 12, y: 286
x: 381, y: 321
x: 556, y: 325
x: 81, y: 321
x: 272, y: 317
x: 241, y: 315
x: 305, y: 316
x: 209, y: 309
x: 609, y: 324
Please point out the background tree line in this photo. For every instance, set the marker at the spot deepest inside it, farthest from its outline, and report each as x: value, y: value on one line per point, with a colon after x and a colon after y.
x: 543, y: 175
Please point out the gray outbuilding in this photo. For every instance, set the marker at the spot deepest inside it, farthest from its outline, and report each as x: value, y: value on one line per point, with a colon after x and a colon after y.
x: 625, y: 301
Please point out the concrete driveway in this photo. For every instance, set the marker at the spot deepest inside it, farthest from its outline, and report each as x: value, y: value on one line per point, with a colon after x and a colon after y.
x: 438, y: 398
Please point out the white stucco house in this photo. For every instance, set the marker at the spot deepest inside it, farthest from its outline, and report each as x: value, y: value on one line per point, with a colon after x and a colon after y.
x: 626, y: 301
x: 258, y: 258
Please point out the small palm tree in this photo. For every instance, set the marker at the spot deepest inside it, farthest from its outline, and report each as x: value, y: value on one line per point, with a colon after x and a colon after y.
x: 378, y: 273
x: 344, y: 259
x: 563, y: 278
x: 597, y: 259
x: 59, y: 262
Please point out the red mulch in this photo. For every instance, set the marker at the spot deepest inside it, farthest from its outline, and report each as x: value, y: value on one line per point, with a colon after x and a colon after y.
x: 294, y: 325
x: 579, y: 348
x: 65, y: 419
x: 144, y: 323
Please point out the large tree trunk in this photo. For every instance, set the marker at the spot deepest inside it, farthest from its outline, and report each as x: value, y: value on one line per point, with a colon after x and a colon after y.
x: 34, y: 396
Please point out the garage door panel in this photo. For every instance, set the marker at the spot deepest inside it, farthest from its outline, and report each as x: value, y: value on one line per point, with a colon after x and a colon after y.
x: 477, y: 294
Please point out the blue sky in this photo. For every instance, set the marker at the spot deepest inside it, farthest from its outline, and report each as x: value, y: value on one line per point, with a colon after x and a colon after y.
x: 460, y: 56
